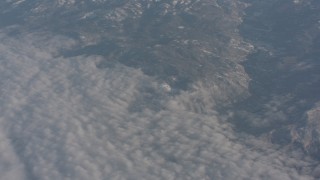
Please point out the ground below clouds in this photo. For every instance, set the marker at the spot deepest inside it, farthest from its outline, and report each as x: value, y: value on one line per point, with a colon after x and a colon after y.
x: 63, y: 118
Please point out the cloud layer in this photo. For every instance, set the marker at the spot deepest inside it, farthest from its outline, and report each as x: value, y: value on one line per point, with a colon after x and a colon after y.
x: 63, y: 118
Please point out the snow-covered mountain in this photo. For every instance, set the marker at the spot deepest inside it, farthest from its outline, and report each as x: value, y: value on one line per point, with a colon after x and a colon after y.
x: 160, y: 37
x: 159, y: 89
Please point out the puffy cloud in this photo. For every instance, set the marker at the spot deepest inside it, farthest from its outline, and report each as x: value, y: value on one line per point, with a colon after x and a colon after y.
x: 10, y: 166
x: 63, y: 118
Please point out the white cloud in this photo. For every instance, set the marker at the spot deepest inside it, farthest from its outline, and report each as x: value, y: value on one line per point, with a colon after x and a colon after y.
x: 10, y: 166
x: 62, y: 118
